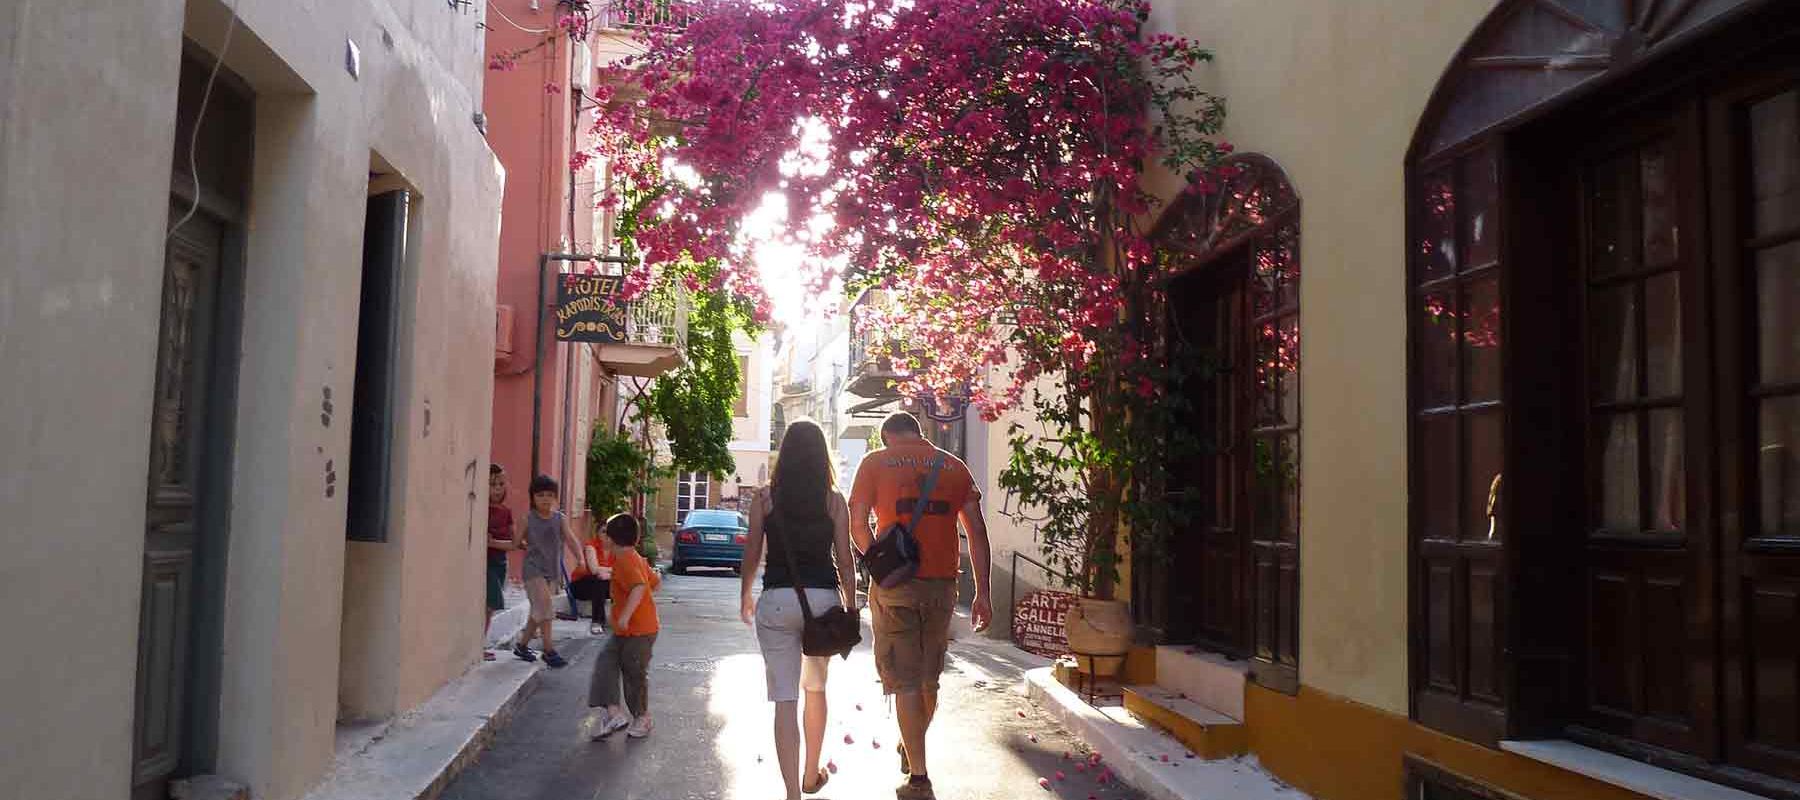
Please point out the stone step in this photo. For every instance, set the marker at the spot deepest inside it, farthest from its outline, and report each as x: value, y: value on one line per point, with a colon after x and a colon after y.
x: 1209, y: 734
x: 1209, y: 679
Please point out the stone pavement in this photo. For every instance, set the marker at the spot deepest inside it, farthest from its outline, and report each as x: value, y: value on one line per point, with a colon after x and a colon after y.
x: 713, y: 739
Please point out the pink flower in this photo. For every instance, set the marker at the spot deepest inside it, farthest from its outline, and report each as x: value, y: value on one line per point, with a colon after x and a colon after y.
x: 966, y: 171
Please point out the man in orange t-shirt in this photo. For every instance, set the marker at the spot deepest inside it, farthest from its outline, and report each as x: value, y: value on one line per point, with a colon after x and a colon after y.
x: 912, y: 621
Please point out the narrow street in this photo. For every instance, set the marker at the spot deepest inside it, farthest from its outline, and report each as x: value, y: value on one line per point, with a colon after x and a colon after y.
x: 713, y: 741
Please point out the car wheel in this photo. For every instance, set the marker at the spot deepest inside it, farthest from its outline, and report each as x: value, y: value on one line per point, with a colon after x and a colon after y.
x: 678, y: 568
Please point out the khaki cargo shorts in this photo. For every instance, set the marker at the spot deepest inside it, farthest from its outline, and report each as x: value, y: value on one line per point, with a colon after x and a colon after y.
x: 912, y: 632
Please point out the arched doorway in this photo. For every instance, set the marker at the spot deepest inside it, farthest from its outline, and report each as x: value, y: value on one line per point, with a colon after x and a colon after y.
x: 1604, y: 269
x: 1231, y: 581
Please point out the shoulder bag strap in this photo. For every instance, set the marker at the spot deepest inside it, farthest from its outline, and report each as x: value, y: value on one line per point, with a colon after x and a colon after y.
x: 925, y: 490
x: 792, y: 565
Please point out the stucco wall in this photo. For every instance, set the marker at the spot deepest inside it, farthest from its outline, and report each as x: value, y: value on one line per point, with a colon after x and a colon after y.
x: 988, y: 450
x: 83, y: 213
x: 1332, y: 92
x: 86, y: 133
x: 750, y: 433
x: 527, y: 128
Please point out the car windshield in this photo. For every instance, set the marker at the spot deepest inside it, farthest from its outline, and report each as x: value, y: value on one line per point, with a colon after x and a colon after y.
x: 713, y: 518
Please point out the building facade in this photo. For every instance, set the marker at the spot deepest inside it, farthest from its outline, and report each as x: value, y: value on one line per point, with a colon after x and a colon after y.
x: 751, y: 415
x: 551, y: 393
x: 811, y: 370
x: 1534, y: 538
x: 247, y: 250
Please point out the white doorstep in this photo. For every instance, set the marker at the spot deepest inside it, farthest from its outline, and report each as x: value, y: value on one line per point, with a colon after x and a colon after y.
x: 1148, y: 759
x: 1205, y: 678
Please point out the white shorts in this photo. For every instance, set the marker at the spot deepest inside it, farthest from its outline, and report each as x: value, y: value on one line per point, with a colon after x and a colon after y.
x: 778, y: 623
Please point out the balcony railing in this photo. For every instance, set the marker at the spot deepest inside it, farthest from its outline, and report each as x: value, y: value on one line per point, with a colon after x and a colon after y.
x: 658, y: 320
x: 871, y: 368
x: 641, y: 14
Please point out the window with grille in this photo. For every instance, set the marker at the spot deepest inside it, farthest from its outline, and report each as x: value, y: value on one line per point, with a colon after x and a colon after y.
x: 692, y: 490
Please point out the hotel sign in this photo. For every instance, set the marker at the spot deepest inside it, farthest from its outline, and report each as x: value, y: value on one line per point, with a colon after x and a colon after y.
x: 588, y: 309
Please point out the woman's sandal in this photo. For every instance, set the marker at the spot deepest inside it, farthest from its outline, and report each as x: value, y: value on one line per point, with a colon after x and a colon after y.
x: 824, y: 778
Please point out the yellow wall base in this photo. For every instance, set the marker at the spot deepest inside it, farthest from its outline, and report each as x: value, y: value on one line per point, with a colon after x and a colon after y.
x: 1209, y: 740
x: 1140, y: 667
x: 1337, y: 749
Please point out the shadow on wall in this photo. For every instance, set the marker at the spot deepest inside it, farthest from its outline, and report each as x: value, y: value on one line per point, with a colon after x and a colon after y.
x: 1014, y: 578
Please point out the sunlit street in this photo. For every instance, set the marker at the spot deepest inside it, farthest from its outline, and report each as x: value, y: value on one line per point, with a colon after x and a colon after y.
x: 712, y: 724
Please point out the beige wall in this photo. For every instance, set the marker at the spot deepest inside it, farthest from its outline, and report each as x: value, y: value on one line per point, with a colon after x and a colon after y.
x: 750, y: 433
x: 87, y: 102
x: 1332, y: 92
x: 749, y: 464
x: 1010, y: 527
x: 77, y: 396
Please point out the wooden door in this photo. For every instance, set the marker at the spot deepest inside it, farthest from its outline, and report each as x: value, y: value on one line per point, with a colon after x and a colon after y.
x: 1650, y: 663
x: 1223, y: 551
x: 179, y: 446
x: 1269, y: 389
x: 1754, y: 129
x: 1208, y: 590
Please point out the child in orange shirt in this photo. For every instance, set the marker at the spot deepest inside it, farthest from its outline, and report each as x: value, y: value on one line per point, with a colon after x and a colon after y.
x: 625, y: 658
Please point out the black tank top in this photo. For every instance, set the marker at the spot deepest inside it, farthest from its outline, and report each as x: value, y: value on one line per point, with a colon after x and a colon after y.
x: 809, y: 537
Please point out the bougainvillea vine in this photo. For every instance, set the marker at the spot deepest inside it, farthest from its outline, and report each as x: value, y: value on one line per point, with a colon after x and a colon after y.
x: 982, y: 161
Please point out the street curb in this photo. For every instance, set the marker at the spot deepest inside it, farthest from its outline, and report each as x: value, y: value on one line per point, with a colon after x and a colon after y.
x: 417, y: 755
x: 1147, y: 759
x: 505, y: 627
x: 482, y: 737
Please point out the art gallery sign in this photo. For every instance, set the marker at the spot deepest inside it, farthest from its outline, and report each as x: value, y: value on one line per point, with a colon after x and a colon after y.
x: 1038, y: 623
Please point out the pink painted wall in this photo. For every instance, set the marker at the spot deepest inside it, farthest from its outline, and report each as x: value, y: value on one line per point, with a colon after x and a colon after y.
x: 529, y: 129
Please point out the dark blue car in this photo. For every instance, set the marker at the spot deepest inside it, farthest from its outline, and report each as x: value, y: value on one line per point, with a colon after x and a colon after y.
x: 709, y: 537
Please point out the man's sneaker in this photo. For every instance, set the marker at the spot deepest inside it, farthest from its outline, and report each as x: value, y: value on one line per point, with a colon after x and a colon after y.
x: 555, y: 660
x: 917, y: 787
x: 524, y: 653
x: 609, y: 724
x: 640, y: 728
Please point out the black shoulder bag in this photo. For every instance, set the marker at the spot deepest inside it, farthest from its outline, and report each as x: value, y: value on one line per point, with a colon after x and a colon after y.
x: 833, y: 633
x: 893, y: 558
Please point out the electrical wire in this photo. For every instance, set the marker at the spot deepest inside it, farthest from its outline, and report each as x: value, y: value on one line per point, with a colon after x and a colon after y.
x: 200, y: 118
x: 496, y: 8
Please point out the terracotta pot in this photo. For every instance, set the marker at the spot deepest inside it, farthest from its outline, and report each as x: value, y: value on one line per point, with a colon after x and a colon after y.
x: 1099, y: 628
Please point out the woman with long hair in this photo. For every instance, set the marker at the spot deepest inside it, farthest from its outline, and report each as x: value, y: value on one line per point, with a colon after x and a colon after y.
x: 803, y: 524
